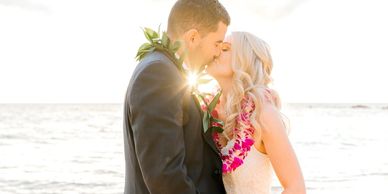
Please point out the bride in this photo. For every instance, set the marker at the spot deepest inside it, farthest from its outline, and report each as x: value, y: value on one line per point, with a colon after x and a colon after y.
x: 255, y: 139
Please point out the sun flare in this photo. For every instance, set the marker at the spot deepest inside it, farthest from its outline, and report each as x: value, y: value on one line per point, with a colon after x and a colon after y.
x: 204, y: 83
x: 192, y: 79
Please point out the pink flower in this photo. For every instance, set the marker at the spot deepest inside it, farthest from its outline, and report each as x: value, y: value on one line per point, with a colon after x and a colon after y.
x: 225, y: 168
x: 244, y: 117
x: 236, y: 163
x: 237, y: 146
x: 247, y: 143
x: 214, y: 113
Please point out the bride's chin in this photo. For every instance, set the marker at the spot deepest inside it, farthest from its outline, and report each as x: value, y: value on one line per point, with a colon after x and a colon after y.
x: 210, y: 71
x: 213, y: 75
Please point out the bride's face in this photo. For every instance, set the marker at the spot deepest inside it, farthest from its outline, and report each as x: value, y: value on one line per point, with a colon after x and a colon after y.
x: 221, y: 67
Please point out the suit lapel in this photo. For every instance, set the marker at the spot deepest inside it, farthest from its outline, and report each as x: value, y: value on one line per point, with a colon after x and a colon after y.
x: 208, y: 135
x: 209, y: 140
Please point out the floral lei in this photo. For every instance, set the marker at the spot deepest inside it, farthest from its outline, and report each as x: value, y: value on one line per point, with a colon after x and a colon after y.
x: 235, y: 151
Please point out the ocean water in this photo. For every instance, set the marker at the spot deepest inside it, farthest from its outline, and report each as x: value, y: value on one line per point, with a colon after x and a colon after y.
x: 78, y: 148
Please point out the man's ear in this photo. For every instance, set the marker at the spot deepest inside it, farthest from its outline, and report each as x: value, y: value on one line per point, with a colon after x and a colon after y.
x: 192, y: 38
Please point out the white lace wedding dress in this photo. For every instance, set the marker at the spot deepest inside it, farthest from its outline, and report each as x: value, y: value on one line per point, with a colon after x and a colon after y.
x: 254, y: 176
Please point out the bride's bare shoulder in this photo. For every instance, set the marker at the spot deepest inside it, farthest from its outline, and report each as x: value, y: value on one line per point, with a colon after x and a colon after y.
x: 272, y: 96
x: 270, y: 116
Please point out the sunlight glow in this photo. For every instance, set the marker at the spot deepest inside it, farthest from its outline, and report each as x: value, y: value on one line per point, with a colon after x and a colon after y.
x: 203, y: 83
x: 192, y: 79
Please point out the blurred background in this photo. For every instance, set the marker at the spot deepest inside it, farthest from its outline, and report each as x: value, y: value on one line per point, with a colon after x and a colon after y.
x: 65, y: 66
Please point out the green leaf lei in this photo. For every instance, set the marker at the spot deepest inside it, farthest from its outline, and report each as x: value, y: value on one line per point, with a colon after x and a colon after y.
x: 164, y: 44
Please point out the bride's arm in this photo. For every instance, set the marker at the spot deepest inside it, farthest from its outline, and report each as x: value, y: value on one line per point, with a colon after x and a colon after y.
x: 280, y: 151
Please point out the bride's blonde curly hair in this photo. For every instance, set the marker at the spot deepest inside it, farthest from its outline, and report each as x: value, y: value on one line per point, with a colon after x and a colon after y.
x: 252, y: 66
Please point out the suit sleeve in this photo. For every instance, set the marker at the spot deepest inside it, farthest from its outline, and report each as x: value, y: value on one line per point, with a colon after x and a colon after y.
x: 156, y: 119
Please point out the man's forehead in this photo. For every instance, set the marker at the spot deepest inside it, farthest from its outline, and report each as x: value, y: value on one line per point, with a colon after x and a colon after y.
x: 219, y: 35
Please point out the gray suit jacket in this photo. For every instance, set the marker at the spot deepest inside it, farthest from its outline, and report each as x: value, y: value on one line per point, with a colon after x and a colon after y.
x: 166, y: 150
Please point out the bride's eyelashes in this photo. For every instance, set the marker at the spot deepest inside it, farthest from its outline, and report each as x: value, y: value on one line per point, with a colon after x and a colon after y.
x: 225, y: 47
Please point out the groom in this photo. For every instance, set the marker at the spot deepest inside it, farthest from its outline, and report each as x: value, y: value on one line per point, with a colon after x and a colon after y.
x: 166, y: 150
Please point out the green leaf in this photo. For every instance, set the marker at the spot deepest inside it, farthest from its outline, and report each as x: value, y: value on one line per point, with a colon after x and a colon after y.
x: 176, y: 46
x: 217, y: 129
x: 157, y: 46
x: 155, y: 35
x: 205, y: 121
x: 145, y: 46
x: 213, y: 103
x: 147, y: 35
x: 203, y: 99
x: 165, y: 40
x: 217, y: 121
x: 150, y: 34
x: 142, y: 52
x: 151, y: 50
x: 206, y: 93
x: 140, y: 56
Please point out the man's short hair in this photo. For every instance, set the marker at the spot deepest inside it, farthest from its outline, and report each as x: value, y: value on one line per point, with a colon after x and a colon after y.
x: 203, y: 15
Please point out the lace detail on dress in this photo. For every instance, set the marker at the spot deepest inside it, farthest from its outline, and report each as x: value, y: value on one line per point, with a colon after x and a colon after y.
x: 252, y: 177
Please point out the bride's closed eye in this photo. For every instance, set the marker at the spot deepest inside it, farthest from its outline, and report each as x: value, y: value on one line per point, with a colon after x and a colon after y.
x: 225, y: 46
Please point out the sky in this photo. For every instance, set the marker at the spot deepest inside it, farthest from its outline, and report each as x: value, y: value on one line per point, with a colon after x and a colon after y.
x: 82, y: 51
